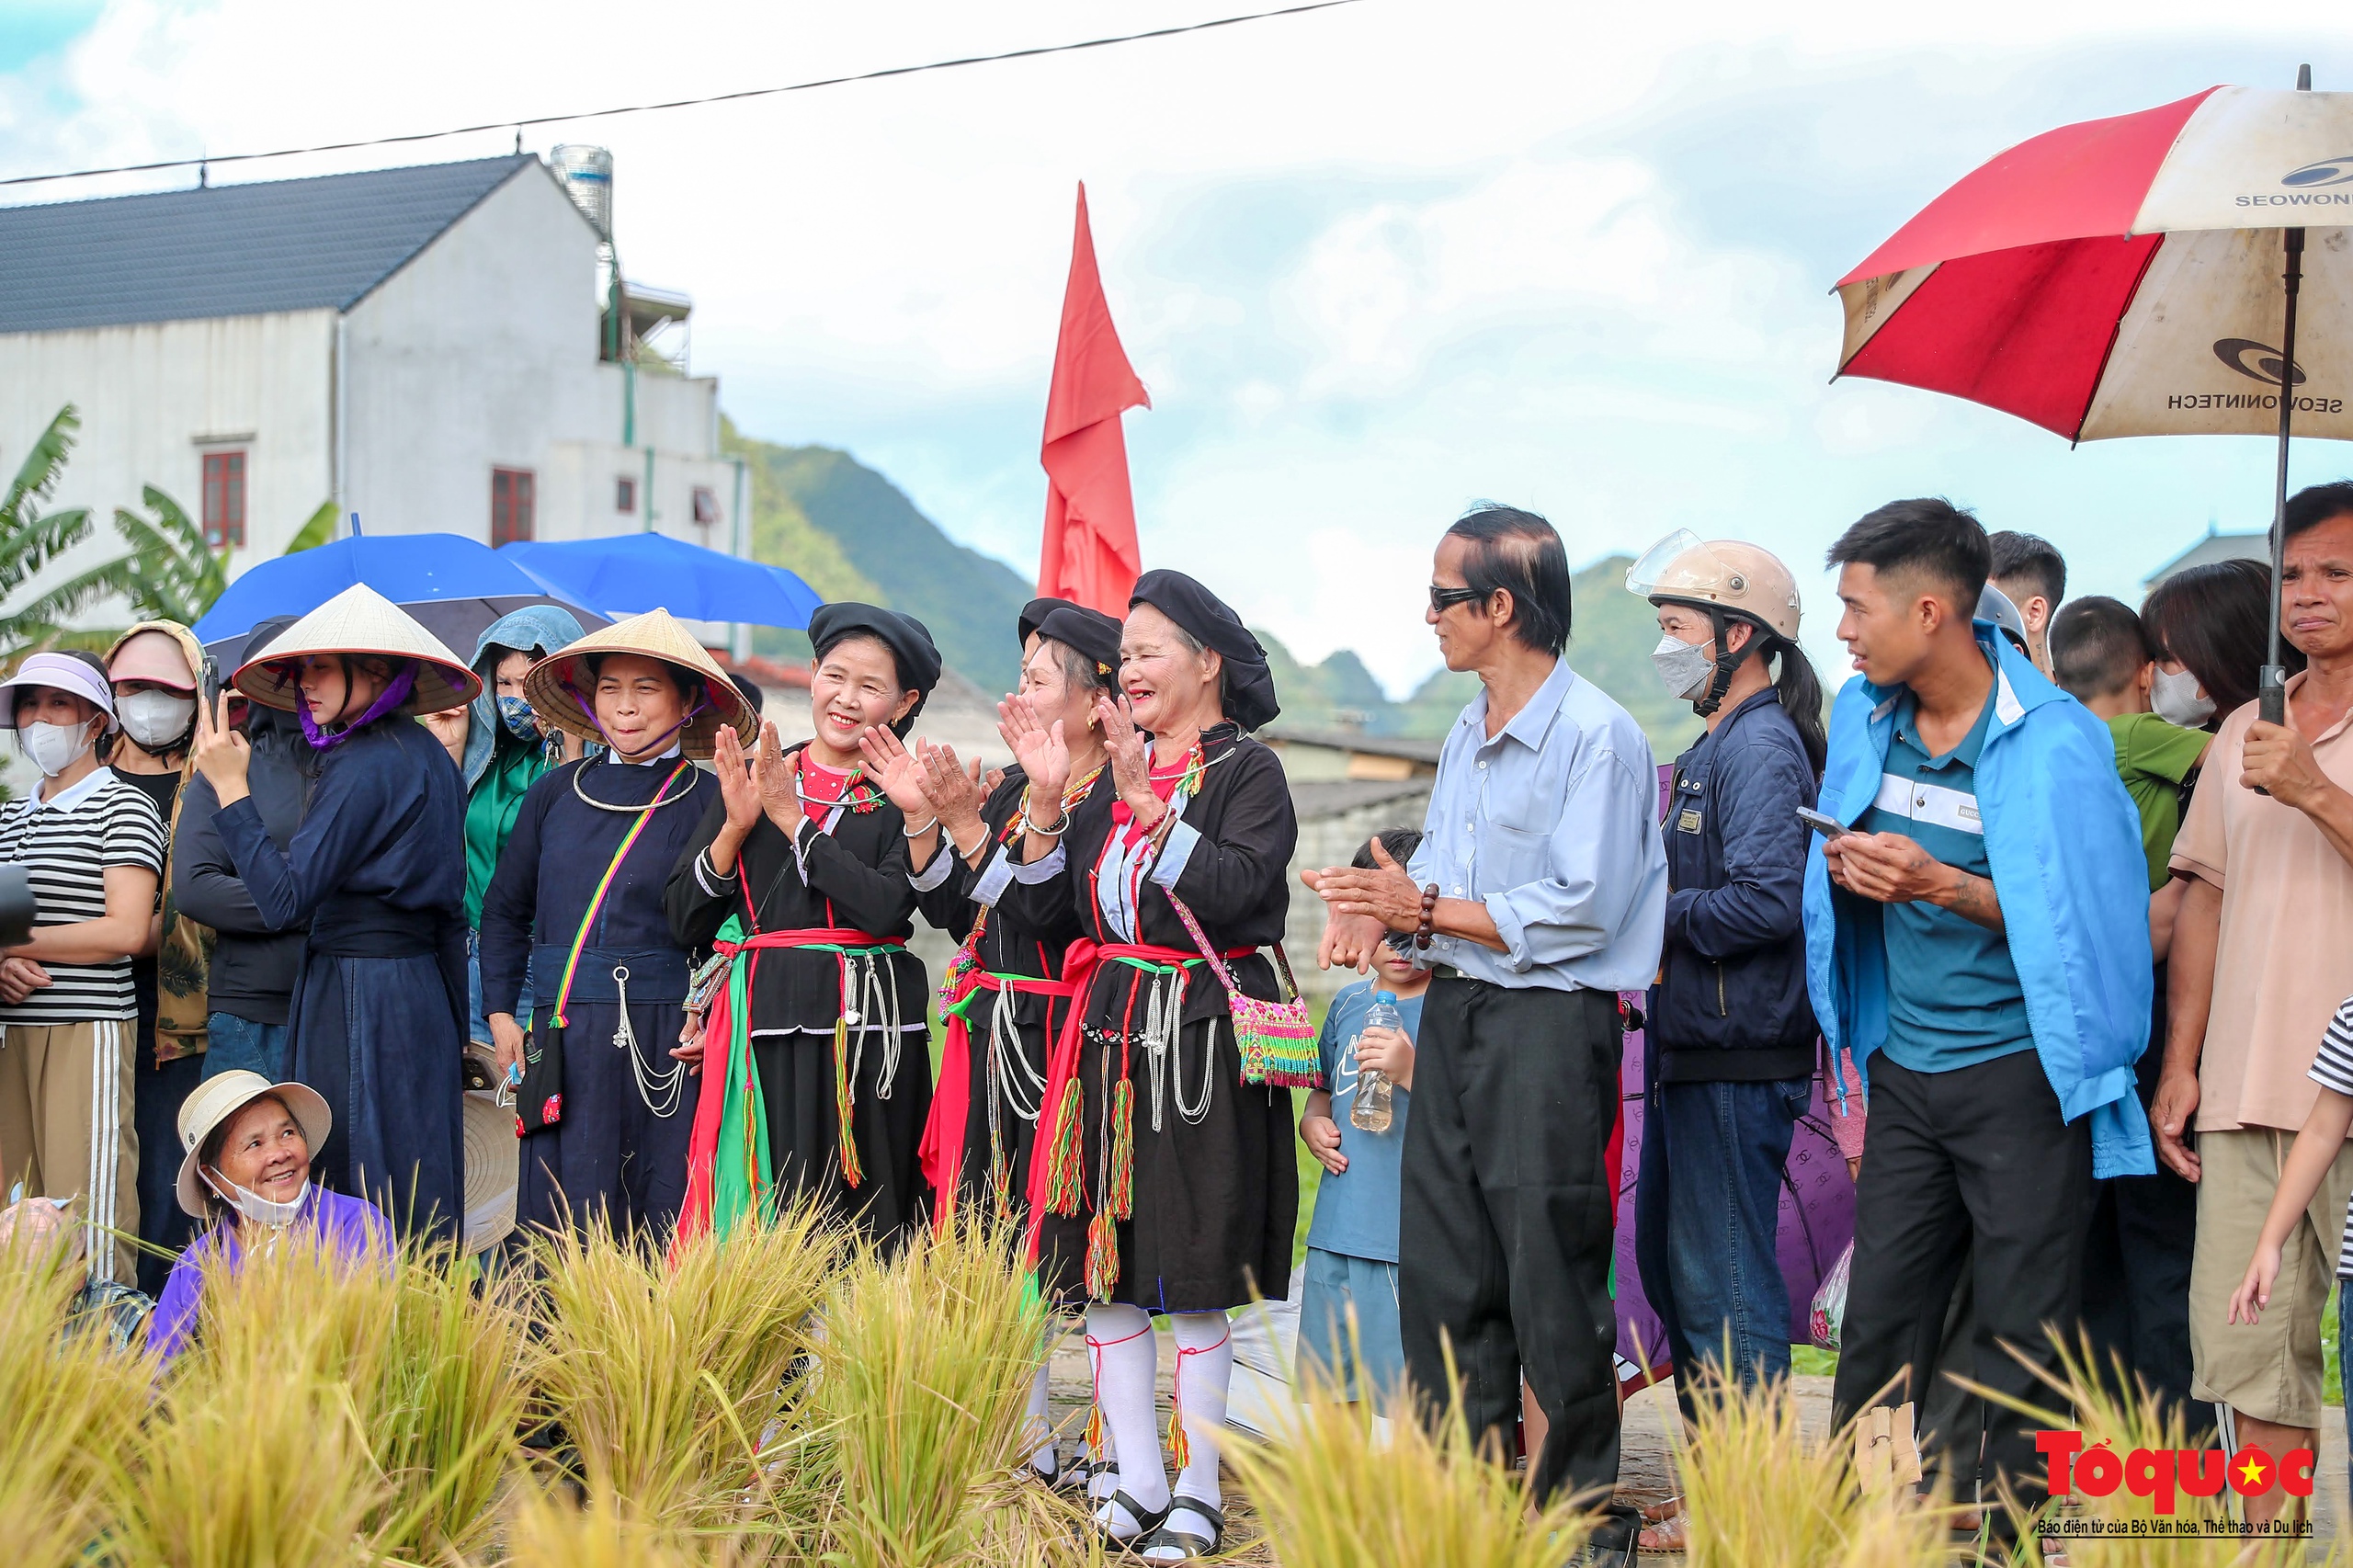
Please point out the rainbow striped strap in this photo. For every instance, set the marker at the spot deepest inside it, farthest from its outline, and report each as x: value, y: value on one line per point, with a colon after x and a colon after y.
x: 580, y: 939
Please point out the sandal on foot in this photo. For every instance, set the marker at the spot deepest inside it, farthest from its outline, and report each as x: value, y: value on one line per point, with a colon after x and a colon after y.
x: 1669, y: 1534
x: 1186, y: 1541
x: 1147, y: 1519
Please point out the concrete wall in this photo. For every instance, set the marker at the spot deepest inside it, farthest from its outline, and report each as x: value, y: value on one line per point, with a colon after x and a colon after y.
x: 477, y: 355
x: 154, y: 396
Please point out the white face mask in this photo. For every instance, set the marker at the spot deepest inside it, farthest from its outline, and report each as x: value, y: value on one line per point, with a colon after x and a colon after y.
x: 154, y: 717
x: 53, y: 748
x: 253, y: 1206
x: 2177, y: 700
x: 1683, y: 667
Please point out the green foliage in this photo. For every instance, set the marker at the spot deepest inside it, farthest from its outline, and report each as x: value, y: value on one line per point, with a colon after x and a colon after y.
x: 318, y: 530
x: 853, y: 534
x: 31, y: 539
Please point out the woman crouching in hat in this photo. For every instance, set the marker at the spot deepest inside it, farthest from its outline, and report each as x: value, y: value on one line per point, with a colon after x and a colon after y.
x: 247, y: 1175
x: 577, y: 903
x: 797, y: 874
x: 1166, y: 1183
x: 378, y: 868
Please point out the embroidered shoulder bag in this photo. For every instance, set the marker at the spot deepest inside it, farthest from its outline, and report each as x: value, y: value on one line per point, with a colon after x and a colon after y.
x: 1277, y: 1042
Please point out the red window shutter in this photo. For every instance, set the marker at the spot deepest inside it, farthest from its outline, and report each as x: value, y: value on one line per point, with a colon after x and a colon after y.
x: 223, y: 504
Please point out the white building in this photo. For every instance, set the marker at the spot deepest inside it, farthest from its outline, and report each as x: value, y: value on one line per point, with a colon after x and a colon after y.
x: 425, y: 345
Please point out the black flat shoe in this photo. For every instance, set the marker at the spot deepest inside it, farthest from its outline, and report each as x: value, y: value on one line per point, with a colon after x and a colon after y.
x: 1186, y: 1541
x: 1150, y: 1519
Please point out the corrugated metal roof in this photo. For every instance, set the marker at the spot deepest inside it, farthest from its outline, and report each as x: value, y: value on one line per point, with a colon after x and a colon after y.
x: 230, y: 250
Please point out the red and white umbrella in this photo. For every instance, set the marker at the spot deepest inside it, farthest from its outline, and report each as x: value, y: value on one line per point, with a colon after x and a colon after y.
x: 2167, y: 273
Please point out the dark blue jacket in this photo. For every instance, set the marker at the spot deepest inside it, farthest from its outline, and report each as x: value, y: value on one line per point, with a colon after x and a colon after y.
x: 1732, y: 1004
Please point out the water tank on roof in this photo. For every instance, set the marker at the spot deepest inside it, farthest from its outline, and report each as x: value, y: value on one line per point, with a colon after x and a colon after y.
x: 587, y: 176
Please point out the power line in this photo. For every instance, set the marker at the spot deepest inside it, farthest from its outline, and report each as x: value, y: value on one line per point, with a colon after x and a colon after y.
x: 517, y: 125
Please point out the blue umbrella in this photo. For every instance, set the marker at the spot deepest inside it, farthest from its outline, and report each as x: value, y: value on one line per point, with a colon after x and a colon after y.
x: 404, y: 568
x: 629, y: 574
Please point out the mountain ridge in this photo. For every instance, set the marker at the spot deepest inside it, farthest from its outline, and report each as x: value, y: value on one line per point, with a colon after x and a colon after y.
x: 852, y: 534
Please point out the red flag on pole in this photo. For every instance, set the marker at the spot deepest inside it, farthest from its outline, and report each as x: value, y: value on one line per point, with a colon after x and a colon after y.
x: 1090, y: 553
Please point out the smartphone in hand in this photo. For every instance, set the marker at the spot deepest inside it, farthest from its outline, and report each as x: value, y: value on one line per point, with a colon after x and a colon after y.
x: 1823, y: 822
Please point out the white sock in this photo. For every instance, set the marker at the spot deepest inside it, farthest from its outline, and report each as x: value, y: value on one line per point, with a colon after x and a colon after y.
x: 1119, y: 1339
x: 1204, y: 1371
x: 1038, y: 1426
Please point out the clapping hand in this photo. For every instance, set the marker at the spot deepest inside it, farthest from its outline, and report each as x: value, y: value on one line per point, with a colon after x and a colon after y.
x: 899, y: 771
x: 1037, y: 746
x: 737, y: 792
x: 954, y: 792
x: 778, y: 778
x: 1130, y: 766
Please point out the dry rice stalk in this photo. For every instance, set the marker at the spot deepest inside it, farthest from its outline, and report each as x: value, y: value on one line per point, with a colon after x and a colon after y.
x: 550, y: 1529
x: 430, y: 1354
x: 1334, y: 1494
x: 1757, y: 1495
x: 63, y: 1409
x: 2104, y: 1415
x: 665, y: 1375
x: 925, y: 1367
x: 246, y: 1473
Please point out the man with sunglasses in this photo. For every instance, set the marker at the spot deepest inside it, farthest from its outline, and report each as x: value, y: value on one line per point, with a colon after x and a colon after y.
x: 1539, y: 893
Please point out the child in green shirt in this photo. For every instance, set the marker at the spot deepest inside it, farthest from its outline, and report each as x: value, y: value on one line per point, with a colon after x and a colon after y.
x: 2106, y: 666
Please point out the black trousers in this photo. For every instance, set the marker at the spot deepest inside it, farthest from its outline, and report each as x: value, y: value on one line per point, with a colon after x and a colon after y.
x: 1971, y: 1165
x: 2136, y: 1263
x: 1503, y: 1226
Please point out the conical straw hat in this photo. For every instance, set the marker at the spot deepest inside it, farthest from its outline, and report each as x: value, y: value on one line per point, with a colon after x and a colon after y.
x: 361, y: 621
x: 560, y: 691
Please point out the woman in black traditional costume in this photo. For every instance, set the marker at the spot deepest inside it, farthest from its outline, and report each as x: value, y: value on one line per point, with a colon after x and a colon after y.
x: 579, y: 897
x: 1003, y: 998
x: 1167, y: 1183
x: 378, y: 868
x: 816, y: 1075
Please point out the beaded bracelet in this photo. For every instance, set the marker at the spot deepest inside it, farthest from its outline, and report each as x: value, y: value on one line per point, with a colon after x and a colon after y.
x: 1428, y: 926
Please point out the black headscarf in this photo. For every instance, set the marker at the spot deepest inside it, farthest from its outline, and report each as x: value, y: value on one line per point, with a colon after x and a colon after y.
x: 1249, y: 684
x: 1093, y: 633
x: 908, y: 639
x: 1034, y: 613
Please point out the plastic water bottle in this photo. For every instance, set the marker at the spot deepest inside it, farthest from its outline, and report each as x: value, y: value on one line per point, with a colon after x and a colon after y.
x: 1371, y: 1111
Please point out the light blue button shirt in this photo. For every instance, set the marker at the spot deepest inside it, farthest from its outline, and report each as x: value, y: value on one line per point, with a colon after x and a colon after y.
x: 1553, y: 825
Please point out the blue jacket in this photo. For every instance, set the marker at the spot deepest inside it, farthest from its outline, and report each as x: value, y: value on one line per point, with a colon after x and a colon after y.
x: 2063, y: 844
x: 1731, y: 1003
x: 535, y: 629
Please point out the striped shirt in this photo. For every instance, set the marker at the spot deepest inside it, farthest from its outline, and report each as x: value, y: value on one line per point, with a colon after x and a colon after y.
x: 67, y: 846
x: 2331, y: 1068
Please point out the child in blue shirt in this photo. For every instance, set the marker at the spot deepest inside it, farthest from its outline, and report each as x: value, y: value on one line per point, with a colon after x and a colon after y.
x: 1352, y: 1240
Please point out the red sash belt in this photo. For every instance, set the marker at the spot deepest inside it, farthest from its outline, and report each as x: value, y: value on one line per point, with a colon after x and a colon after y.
x: 941, y: 1153
x: 720, y: 1027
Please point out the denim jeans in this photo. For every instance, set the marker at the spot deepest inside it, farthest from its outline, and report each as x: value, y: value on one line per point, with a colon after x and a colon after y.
x: 1706, y: 1220
x: 477, y: 1026
x: 233, y: 1043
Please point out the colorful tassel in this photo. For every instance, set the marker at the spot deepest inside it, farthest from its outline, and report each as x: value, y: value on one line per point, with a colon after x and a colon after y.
x: 1119, y: 1195
x: 843, y: 1093
x: 1102, y: 1255
x: 1096, y: 1441
x: 1065, y: 1181
x: 1180, y: 1446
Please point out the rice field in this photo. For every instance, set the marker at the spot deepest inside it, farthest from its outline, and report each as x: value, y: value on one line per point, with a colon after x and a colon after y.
x: 791, y: 1398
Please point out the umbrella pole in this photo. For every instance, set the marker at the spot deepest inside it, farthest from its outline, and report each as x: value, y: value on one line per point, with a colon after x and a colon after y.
x: 2272, y: 693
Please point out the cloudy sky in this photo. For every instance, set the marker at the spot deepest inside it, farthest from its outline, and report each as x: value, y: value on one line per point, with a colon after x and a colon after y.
x: 1374, y: 262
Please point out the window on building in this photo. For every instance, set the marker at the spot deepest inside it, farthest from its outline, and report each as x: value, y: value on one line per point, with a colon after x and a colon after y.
x: 706, y: 506
x: 625, y: 494
x: 224, y: 500
x: 510, y: 506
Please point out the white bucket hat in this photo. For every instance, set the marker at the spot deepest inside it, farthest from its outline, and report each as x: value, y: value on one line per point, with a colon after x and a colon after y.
x: 361, y: 621
x: 215, y: 1100
x: 61, y: 672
